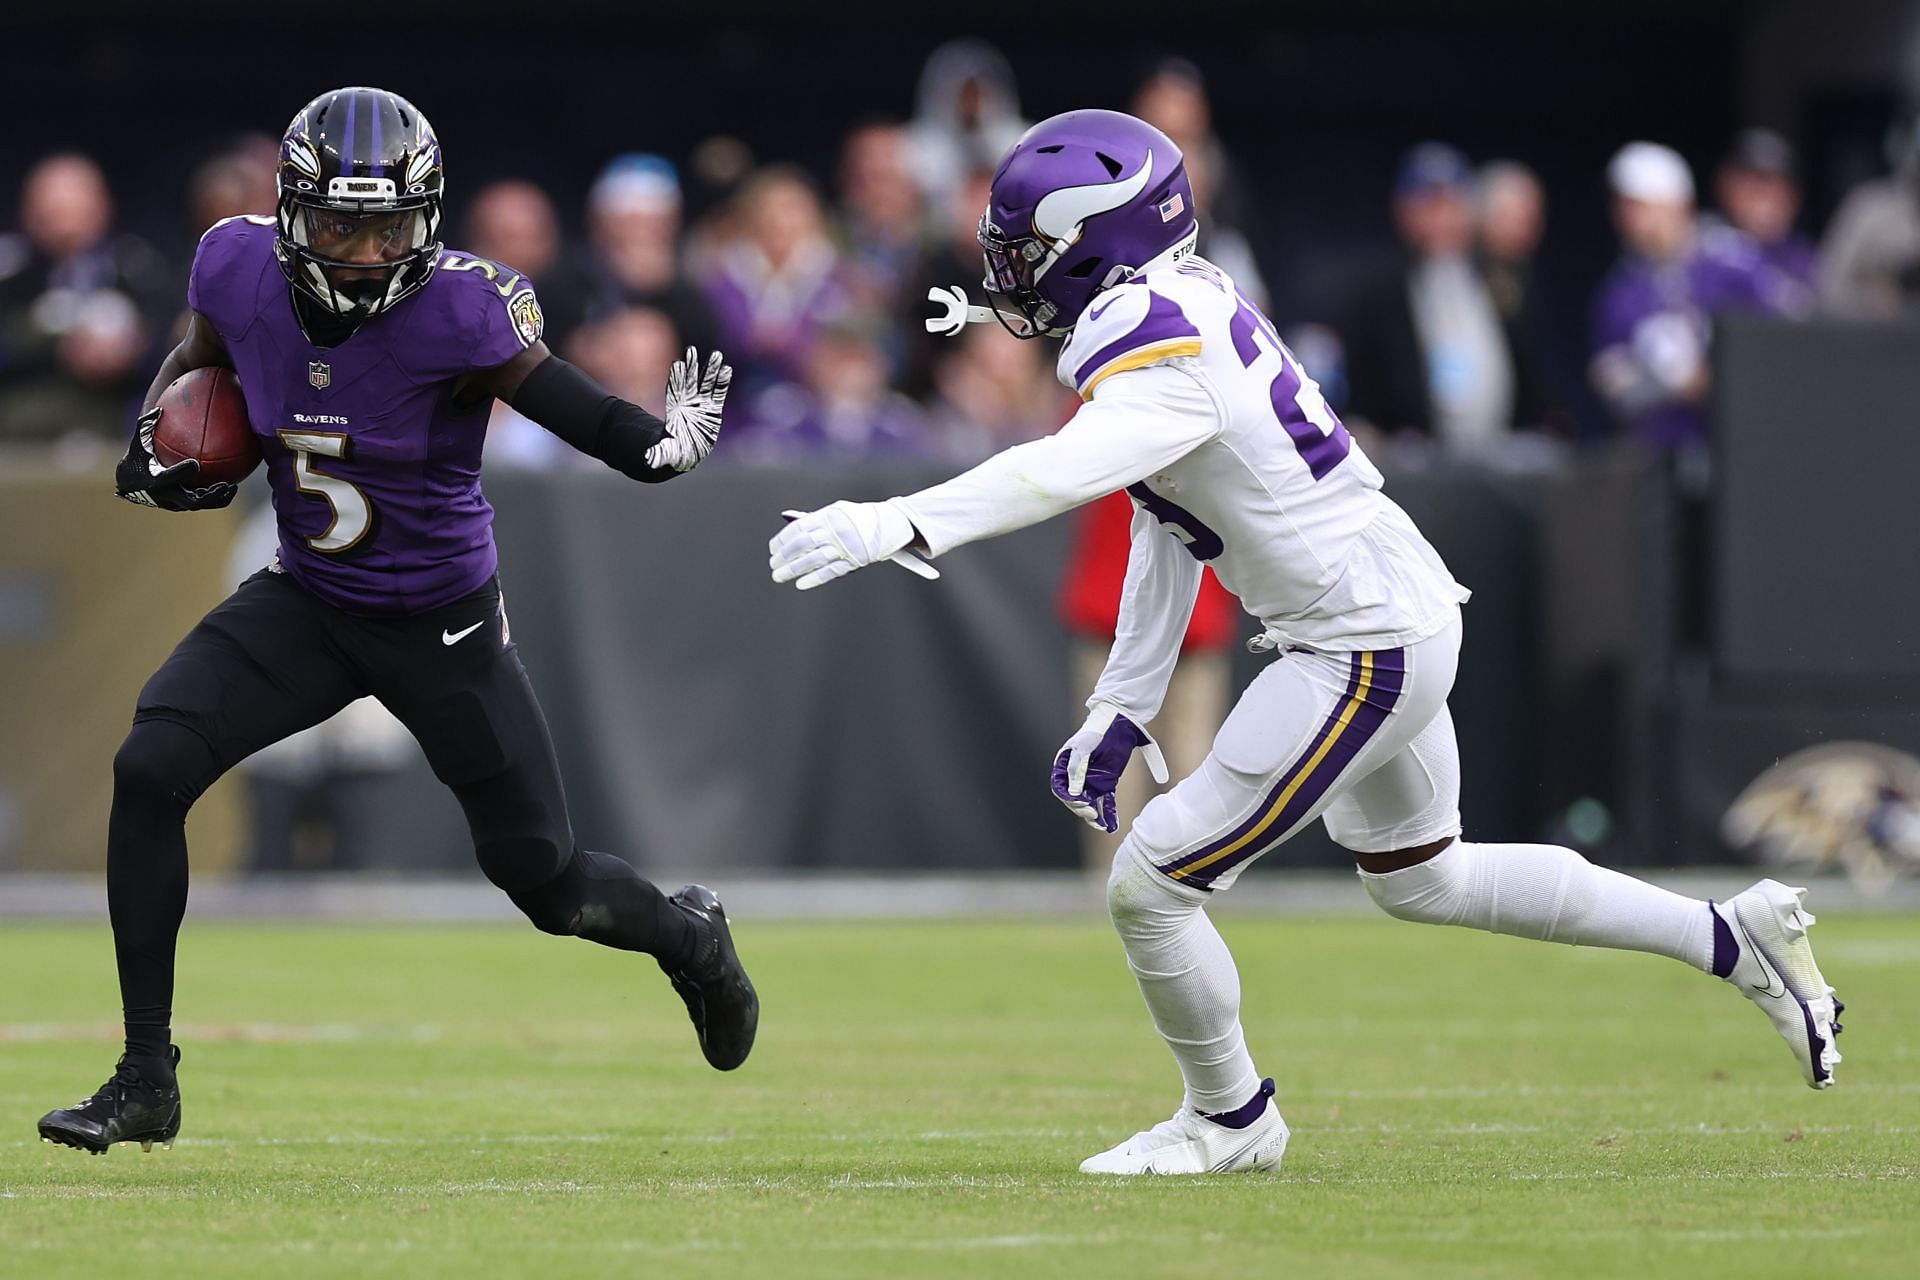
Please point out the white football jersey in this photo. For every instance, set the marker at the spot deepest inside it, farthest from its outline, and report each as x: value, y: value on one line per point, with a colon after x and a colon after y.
x: 1279, y: 500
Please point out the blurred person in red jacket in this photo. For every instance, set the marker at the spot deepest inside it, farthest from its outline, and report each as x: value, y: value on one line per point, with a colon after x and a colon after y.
x: 1198, y: 694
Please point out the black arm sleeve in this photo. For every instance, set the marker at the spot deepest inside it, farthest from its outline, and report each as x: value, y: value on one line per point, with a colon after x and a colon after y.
x: 592, y: 419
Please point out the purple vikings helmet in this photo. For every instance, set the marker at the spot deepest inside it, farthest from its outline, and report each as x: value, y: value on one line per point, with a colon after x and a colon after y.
x: 1081, y: 202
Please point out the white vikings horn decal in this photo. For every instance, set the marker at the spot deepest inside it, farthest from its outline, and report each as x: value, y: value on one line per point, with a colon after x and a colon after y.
x: 1059, y: 214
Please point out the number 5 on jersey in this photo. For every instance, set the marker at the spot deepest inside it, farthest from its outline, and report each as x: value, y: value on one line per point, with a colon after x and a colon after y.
x: 352, y: 514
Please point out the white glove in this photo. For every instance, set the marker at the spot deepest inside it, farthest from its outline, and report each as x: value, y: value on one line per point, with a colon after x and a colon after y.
x: 694, y: 400
x: 1087, y: 769
x: 832, y: 542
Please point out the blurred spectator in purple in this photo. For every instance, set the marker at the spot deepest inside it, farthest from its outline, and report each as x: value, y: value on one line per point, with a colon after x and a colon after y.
x: 952, y: 257
x: 777, y: 282
x: 1653, y: 314
x: 1870, y: 258
x: 992, y: 390
x: 628, y: 352
x: 844, y: 409
x: 512, y: 222
x: 633, y: 225
x: 77, y: 309
x: 966, y: 117
x: 1758, y: 191
x: 882, y: 229
x: 1427, y: 349
x: 1173, y: 99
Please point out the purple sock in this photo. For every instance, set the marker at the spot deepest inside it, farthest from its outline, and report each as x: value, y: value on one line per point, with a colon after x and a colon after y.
x: 1242, y: 1116
x: 1725, y: 950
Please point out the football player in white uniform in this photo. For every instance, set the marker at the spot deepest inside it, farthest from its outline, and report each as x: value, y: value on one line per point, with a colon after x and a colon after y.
x: 1194, y: 406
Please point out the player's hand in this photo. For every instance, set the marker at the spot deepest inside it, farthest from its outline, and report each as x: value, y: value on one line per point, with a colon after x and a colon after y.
x: 695, y: 397
x: 141, y: 479
x: 832, y: 542
x: 1089, y: 766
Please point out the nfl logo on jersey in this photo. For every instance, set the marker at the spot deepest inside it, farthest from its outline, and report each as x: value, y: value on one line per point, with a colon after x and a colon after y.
x: 1172, y: 208
x: 319, y: 373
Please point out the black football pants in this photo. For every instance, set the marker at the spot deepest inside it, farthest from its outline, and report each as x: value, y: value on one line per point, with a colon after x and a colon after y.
x: 275, y: 659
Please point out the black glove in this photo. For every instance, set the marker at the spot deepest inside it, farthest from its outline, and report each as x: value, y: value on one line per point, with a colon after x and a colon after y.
x: 140, y: 477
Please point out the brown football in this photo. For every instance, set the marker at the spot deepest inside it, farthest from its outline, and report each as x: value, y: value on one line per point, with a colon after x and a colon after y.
x: 204, y: 416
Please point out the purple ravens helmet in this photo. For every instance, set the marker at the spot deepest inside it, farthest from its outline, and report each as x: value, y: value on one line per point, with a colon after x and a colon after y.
x: 359, y: 202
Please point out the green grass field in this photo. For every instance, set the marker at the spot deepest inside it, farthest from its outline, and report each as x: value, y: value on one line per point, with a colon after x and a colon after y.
x: 377, y: 1102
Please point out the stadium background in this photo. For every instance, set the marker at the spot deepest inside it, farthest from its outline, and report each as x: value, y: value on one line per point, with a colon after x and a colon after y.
x: 1602, y: 702
x: 396, y: 1077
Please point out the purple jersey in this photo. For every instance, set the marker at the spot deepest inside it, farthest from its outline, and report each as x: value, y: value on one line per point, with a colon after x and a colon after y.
x: 1658, y: 318
x: 375, y: 470
x: 1795, y: 258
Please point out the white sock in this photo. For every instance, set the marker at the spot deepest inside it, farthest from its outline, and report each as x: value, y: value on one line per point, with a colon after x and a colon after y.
x: 1545, y: 891
x: 1188, y: 978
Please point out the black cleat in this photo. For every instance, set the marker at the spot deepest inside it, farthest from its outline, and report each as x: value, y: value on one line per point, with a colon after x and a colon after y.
x: 720, y: 1000
x: 131, y: 1107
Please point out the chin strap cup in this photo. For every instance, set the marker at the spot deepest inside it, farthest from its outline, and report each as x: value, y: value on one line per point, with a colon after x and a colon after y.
x: 958, y: 314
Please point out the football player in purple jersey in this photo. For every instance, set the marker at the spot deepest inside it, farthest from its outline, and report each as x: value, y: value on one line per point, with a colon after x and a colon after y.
x: 370, y: 355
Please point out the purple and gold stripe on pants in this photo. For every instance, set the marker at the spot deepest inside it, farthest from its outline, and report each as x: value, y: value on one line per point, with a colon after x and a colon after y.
x: 1373, y: 688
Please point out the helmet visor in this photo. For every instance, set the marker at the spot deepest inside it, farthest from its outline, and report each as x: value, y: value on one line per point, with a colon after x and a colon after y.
x: 340, y: 238
x: 1012, y: 269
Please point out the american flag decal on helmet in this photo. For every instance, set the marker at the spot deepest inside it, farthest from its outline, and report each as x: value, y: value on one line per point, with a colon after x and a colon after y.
x: 1172, y: 207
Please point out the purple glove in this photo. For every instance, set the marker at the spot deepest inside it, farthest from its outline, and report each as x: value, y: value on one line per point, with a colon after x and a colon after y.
x: 1089, y: 766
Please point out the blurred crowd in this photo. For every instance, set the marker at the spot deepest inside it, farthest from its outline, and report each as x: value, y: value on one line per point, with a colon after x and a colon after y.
x: 816, y: 290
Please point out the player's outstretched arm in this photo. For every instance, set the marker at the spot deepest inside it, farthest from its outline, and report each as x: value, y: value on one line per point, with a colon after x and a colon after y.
x: 139, y: 478
x: 564, y: 400
x: 1138, y: 423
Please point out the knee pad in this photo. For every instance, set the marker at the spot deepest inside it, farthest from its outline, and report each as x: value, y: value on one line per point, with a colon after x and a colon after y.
x: 163, y: 762
x: 1141, y: 901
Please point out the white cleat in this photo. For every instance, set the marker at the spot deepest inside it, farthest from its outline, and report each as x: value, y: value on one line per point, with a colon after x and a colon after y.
x: 1191, y: 1143
x: 1776, y: 971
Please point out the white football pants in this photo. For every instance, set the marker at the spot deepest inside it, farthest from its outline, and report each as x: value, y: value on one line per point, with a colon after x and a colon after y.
x: 1364, y: 741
